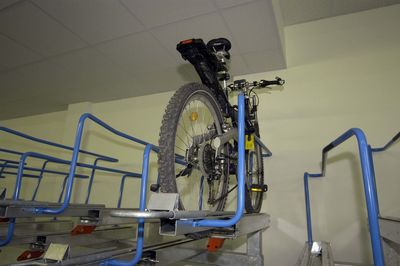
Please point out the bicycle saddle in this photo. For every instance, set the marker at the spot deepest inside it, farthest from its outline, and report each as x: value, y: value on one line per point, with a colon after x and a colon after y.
x: 220, y: 44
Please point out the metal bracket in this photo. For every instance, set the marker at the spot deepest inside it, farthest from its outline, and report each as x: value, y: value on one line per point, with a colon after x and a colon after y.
x: 163, y: 202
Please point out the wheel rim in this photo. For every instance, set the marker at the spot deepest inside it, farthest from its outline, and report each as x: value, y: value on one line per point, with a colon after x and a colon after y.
x: 198, y: 120
x: 254, y: 177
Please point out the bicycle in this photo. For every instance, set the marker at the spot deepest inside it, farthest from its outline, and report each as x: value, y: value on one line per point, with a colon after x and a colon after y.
x: 199, y: 126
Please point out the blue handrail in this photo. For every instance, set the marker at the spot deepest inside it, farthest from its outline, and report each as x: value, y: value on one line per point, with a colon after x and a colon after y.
x: 142, y: 207
x: 40, y: 179
x: 33, y: 169
x: 93, y: 167
x: 20, y: 174
x: 387, y: 145
x: 84, y: 165
x: 369, y: 189
x: 74, y: 160
x: 54, y: 144
x: 381, y: 149
x: 122, y: 186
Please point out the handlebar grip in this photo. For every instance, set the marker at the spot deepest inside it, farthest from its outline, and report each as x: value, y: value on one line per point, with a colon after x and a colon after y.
x: 278, y: 81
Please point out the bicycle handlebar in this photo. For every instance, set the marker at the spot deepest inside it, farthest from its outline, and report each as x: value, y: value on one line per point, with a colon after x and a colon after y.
x: 242, y: 83
x: 264, y: 83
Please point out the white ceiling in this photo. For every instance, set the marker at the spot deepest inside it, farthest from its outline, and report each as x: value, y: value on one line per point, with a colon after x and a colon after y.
x: 57, y: 52
x: 299, y: 11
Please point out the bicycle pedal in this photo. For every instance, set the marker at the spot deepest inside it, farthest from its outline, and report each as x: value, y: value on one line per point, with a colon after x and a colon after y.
x: 259, y: 188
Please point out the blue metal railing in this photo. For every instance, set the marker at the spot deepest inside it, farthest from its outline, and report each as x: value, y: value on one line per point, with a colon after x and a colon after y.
x: 142, y: 207
x: 198, y: 223
x: 381, y: 149
x: 53, y: 144
x: 65, y: 162
x: 39, y: 176
x: 144, y: 178
x: 368, y: 175
x: 74, y: 160
x: 240, y: 172
x: 388, y: 144
x: 122, y: 186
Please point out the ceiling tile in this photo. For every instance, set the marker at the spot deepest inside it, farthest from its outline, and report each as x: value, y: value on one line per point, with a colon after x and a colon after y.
x: 8, y: 83
x: 2, y: 68
x: 7, y: 3
x: 138, y: 52
x: 33, y: 80
x: 29, y: 26
x: 28, y: 107
x: 295, y: 11
x: 93, y: 20
x: 88, y: 69
x: 253, y: 26
x: 264, y: 61
x: 206, y: 27
x: 167, y: 79
x: 237, y: 66
x: 390, y: 2
x: 230, y: 3
x: 13, y: 54
x: 155, y: 13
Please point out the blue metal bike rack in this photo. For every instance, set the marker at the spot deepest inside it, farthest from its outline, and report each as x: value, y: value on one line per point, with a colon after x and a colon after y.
x: 365, y: 152
x: 14, y: 165
x: 73, y: 164
x: 53, y: 144
x: 240, y: 173
x: 122, y: 186
x: 142, y: 207
x: 74, y: 161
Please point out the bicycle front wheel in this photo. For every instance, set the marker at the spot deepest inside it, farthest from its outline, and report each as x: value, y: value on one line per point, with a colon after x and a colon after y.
x: 191, y: 120
x: 254, y: 180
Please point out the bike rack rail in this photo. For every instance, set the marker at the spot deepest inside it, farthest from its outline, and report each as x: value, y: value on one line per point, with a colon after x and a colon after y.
x: 368, y: 175
x: 41, y: 170
x: 53, y: 144
x: 233, y: 219
x: 193, y: 219
x: 59, y: 161
x: 21, y: 166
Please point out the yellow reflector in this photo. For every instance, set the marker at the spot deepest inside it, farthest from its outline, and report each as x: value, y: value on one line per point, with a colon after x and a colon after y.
x: 194, y: 116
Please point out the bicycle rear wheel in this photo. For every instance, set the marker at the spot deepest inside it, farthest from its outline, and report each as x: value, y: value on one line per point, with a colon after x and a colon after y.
x: 191, y: 120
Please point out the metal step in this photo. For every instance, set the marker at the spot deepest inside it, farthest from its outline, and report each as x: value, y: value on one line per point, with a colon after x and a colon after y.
x: 318, y: 254
x: 390, y: 235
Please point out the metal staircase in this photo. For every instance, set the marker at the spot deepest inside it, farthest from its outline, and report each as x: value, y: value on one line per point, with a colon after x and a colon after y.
x: 384, y: 231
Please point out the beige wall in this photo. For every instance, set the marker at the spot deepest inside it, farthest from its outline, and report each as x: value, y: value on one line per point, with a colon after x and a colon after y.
x: 342, y: 73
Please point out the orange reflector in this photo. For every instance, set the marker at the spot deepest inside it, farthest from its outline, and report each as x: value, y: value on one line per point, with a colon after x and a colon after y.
x: 82, y: 229
x: 30, y: 254
x: 187, y: 41
x: 214, y: 244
